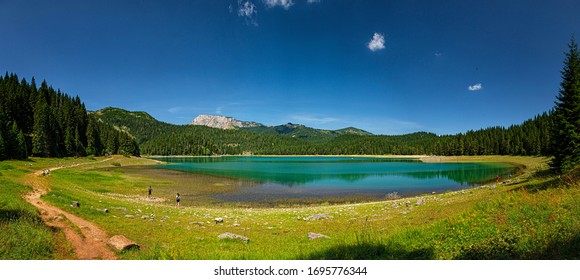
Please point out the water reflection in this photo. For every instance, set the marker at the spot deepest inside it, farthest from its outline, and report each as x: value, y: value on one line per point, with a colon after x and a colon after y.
x: 346, y: 172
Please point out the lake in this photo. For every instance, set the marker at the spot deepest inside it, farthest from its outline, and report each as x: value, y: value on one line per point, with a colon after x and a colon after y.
x: 279, y: 178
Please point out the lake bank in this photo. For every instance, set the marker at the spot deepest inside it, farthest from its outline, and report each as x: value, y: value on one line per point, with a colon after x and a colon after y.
x: 519, y: 218
x: 307, y: 180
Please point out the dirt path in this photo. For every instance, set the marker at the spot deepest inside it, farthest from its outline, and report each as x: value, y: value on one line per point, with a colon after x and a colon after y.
x: 91, y: 244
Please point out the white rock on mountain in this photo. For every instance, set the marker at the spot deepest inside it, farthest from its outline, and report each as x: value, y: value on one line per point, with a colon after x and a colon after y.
x: 221, y: 122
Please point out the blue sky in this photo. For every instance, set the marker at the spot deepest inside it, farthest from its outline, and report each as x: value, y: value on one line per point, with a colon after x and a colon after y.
x: 389, y: 67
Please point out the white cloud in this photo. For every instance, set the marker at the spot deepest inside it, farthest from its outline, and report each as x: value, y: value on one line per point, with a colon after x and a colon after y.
x: 247, y: 10
x: 313, y: 1
x: 475, y: 87
x: 174, y: 110
x: 377, y: 43
x: 313, y: 120
x: 286, y: 4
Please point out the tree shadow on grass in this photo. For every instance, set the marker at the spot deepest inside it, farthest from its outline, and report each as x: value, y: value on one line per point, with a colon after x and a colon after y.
x: 501, y: 248
x: 371, y: 251
x: 532, y: 188
x: 9, y: 215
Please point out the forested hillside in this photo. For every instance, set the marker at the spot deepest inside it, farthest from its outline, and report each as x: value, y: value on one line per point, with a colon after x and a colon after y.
x: 44, y: 122
x: 157, y: 138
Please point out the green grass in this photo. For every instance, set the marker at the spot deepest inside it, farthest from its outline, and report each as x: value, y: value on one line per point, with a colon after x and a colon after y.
x: 533, y: 217
x: 23, y: 235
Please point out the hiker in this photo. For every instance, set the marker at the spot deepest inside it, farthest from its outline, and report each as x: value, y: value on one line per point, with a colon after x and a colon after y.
x: 177, y: 199
x: 150, y: 190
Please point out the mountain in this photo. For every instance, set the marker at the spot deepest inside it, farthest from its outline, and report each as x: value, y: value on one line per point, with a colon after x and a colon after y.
x: 140, y: 125
x: 304, y: 132
x: 222, y: 122
x: 159, y: 138
x: 289, y: 129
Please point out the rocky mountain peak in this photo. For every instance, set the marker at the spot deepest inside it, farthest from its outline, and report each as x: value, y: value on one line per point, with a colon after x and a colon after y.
x: 221, y: 122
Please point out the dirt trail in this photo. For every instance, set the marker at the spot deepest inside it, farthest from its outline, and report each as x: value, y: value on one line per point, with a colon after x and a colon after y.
x: 92, y: 243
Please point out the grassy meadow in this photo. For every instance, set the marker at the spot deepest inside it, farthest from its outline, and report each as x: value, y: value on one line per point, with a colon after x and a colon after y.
x: 534, y: 216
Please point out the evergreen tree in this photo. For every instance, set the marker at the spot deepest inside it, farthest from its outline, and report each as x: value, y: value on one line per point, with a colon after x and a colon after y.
x: 566, y: 127
x: 41, y: 137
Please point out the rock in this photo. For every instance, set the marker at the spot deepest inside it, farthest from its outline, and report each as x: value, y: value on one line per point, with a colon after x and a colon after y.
x: 144, y: 217
x: 407, y: 203
x: 221, y: 122
x: 420, y: 201
x: 229, y: 235
x: 218, y: 220
x: 106, y: 210
x: 319, y: 217
x: 313, y: 235
x: 120, y: 243
x: 75, y: 204
x: 129, y: 216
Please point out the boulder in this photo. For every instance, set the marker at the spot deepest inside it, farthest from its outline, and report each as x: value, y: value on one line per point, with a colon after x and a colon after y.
x: 121, y: 243
x: 313, y: 235
x: 218, y: 220
x: 75, y: 204
x: 229, y: 235
x: 319, y: 217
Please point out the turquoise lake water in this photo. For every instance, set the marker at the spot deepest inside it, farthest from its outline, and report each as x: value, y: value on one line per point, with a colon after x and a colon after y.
x: 311, y: 176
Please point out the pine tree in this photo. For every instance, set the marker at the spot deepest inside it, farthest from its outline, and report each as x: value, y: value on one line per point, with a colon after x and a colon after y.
x: 566, y: 128
x: 41, y: 136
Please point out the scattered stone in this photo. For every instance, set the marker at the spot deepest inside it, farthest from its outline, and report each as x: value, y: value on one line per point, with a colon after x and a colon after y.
x: 420, y: 201
x: 129, y: 216
x: 229, y: 235
x: 144, y: 217
x: 57, y: 218
x: 407, y: 203
x: 75, y: 204
x: 313, y: 235
x: 236, y: 224
x: 318, y: 217
x: 218, y: 220
x: 120, y: 243
x: 106, y: 210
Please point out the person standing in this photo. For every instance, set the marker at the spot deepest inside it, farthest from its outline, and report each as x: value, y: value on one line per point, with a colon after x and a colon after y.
x: 150, y: 190
x: 177, y: 199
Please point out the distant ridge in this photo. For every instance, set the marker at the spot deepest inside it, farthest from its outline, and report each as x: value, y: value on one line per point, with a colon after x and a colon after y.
x: 222, y: 122
x: 289, y: 129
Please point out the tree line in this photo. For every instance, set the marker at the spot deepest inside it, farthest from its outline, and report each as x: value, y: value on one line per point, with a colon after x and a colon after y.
x: 528, y: 139
x: 48, y: 123
x: 41, y: 121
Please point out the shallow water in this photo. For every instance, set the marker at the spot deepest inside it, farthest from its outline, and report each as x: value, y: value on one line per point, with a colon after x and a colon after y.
x: 311, y: 177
